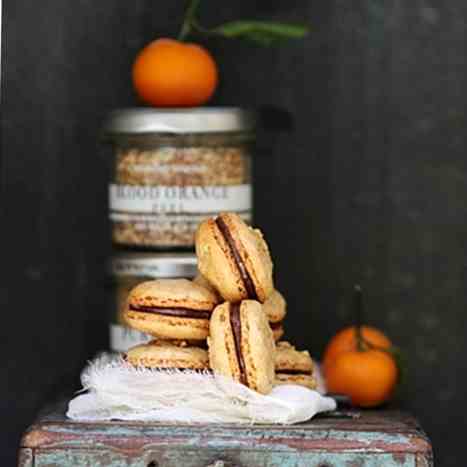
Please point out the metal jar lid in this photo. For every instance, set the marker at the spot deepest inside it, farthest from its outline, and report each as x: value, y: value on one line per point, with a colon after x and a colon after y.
x: 179, y: 121
x: 154, y: 265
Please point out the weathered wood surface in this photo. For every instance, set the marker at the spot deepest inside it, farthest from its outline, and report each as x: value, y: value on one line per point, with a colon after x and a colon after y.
x: 197, y: 458
x: 373, y: 439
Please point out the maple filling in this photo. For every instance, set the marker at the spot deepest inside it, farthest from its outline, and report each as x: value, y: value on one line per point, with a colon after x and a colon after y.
x: 246, y: 278
x: 294, y: 372
x: 176, y: 312
x: 237, y: 335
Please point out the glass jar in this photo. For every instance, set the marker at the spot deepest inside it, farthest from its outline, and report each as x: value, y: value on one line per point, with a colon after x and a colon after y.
x: 174, y: 168
x: 129, y: 269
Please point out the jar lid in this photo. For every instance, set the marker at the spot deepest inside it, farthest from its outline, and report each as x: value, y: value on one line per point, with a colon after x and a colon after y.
x: 179, y: 121
x: 155, y: 265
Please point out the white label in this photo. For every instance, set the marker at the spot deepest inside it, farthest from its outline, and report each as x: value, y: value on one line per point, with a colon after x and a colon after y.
x: 122, y: 338
x: 146, y: 199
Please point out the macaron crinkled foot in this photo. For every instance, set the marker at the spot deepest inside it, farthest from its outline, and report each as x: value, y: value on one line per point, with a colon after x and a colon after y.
x: 241, y: 345
x: 293, y: 366
x: 234, y: 258
x: 168, y: 354
x: 171, y: 309
x: 275, y: 308
x: 277, y: 330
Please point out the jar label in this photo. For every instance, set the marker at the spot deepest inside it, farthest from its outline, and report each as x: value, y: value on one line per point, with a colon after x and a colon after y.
x: 122, y: 338
x: 148, y: 199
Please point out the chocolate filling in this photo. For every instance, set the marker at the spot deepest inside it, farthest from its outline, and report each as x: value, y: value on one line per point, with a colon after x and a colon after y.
x: 293, y: 372
x: 275, y: 325
x: 246, y: 278
x: 237, y: 335
x: 177, y: 312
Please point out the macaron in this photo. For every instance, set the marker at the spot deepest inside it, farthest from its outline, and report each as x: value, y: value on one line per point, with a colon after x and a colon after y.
x: 170, y: 309
x: 277, y: 330
x: 168, y: 354
x: 241, y: 345
x: 275, y: 308
x: 234, y: 258
x: 293, y: 366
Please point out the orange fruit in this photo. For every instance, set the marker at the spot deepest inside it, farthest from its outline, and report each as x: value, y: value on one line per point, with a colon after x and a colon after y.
x: 170, y: 73
x: 346, y: 340
x: 368, y: 377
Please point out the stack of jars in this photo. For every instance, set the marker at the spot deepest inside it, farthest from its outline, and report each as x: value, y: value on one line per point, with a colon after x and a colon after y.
x: 171, y: 170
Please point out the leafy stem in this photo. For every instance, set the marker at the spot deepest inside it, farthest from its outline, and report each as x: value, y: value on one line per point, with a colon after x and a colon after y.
x: 259, y: 32
x: 189, y: 19
x: 363, y: 344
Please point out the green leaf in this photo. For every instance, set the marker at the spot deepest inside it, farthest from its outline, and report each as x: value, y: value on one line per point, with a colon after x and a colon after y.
x: 261, y: 32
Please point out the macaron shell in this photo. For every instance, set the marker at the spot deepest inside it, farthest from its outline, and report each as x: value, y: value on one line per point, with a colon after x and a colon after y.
x: 203, y: 282
x: 275, y: 307
x: 172, y: 293
x: 221, y: 343
x: 257, y: 345
x: 163, y: 354
x: 254, y: 252
x: 258, y: 348
x: 167, y: 327
x: 288, y: 358
x: 277, y: 332
x: 302, y: 380
x: 216, y: 263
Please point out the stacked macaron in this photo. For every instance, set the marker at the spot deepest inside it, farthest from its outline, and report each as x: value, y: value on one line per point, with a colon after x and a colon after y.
x: 232, y: 306
x: 275, y: 308
x: 176, y: 312
x: 293, y: 366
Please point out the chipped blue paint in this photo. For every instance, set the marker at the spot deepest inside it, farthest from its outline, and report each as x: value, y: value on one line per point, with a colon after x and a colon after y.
x: 222, y: 437
x: 375, y: 439
x: 197, y: 458
x: 370, y: 437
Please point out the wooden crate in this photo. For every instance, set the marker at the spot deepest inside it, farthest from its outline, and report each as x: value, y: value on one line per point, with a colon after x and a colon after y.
x: 362, y: 439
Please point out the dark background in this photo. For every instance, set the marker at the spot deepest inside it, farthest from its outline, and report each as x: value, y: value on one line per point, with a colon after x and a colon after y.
x: 366, y: 182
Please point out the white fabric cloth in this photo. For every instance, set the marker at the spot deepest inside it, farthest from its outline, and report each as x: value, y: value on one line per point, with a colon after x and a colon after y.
x: 118, y: 391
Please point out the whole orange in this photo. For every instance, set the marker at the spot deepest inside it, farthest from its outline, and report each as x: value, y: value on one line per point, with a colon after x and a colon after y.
x: 346, y: 340
x: 368, y: 377
x: 170, y: 73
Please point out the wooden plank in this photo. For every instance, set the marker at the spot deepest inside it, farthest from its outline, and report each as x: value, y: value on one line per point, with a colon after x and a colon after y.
x: 218, y: 458
x: 374, y: 432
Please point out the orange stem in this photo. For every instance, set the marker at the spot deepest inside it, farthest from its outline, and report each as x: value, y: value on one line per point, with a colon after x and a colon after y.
x: 358, y: 307
x: 188, y: 19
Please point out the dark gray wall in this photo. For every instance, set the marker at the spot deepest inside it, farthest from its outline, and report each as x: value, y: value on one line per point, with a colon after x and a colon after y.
x: 367, y: 182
